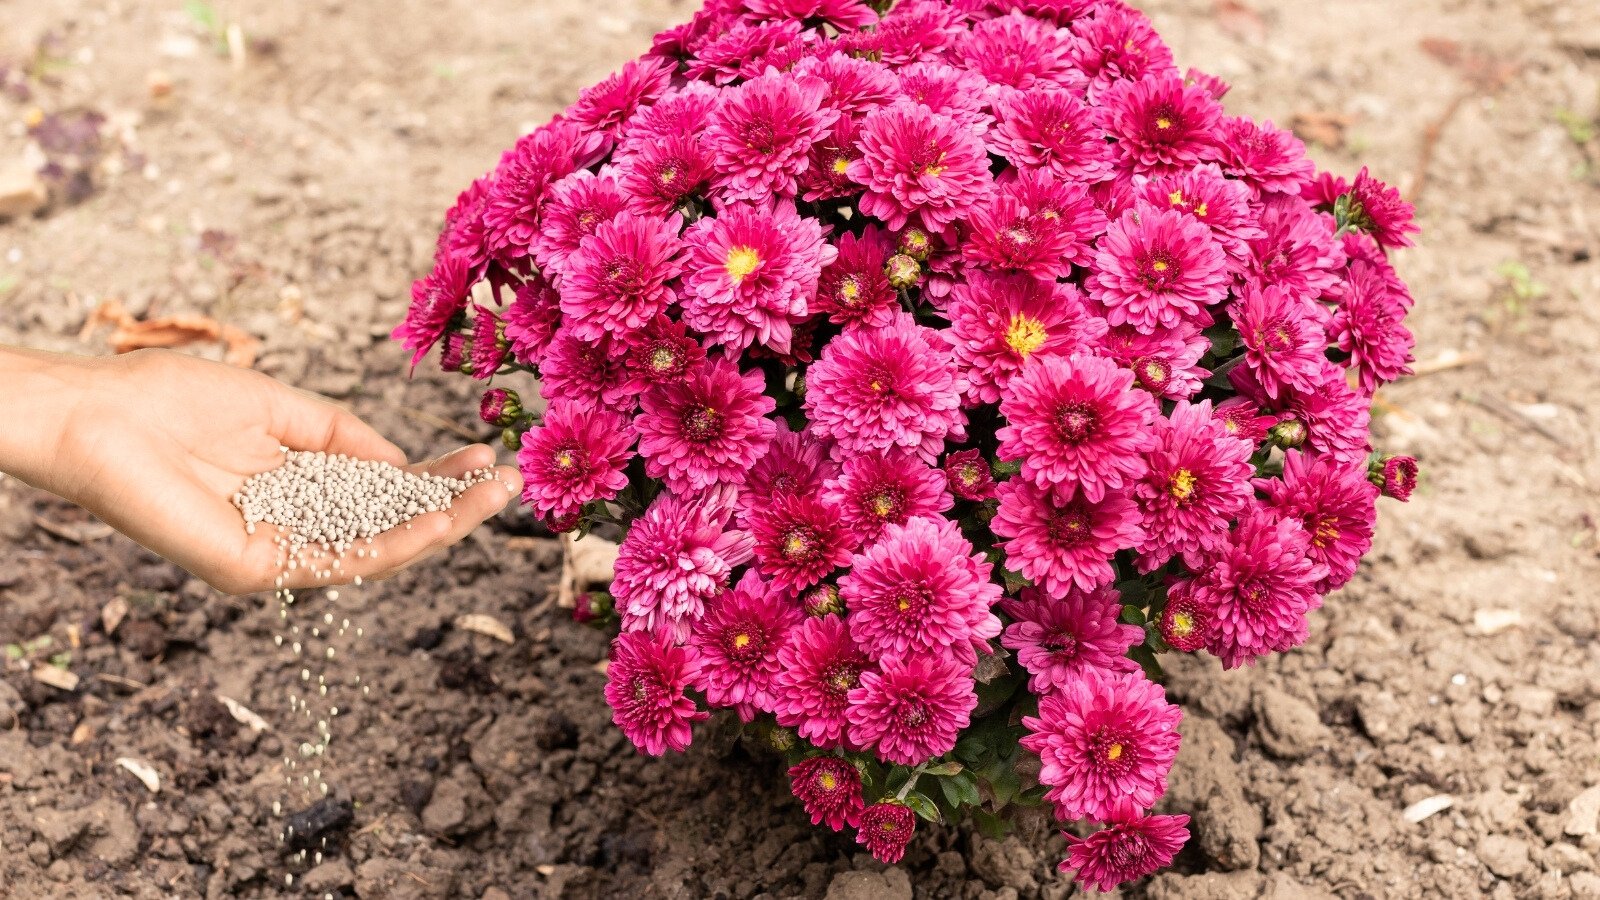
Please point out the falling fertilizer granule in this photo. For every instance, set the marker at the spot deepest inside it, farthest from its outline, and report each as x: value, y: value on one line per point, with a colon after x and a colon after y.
x: 325, y: 507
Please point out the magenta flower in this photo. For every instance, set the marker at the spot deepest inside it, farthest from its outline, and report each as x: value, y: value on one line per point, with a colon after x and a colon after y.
x: 886, y: 829
x: 895, y: 386
x: 1334, y: 416
x: 1131, y: 847
x: 917, y: 164
x: 681, y: 113
x: 799, y: 540
x: 665, y: 175
x: 873, y: 491
x: 1244, y: 420
x: 1335, y: 504
x: 578, y: 455
x: 1296, y: 250
x: 841, y: 14
x: 1105, y: 739
x: 1221, y: 203
x: 645, y: 685
x: 1197, y: 482
x: 1164, y: 362
x: 854, y: 85
x: 913, y: 710
x: 435, y: 300
x: 829, y: 787
x: 760, y: 134
x: 999, y: 323
x: 1118, y: 45
x: 606, y: 107
x: 1256, y: 589
x: 591, y: 372
x: 1076, y: 421
x: 959, y: 94
x: 740, y: 51
x: 464, y: 234
x: 662, y: 352
x: 532, y: 319
x: 1060, y: 542
x: 854, y: 289
x: 914, y: 31
x: 738, y: 643
x: 1263, y: 156
x: 795, y: 464
x: 1378, y: 209
x: 525, y: 173
x: 1037, y: 224
x: 707, y: 429
x: 1284, y: 338
x: 1054, y: 131
x: 1056, y: 640
x: 969, y: 475
x: 1161, y: 125
x: 750, y: 274
x: 921, y: 591
x: 573, y: 208
x: 1369, y: 324
x: 675, y: 559
x: 1184, y: 624
x: 817, y: 670
x: 1397, y: 477
x: 1158, y: 267
x: 1020, y: 52
x: 827, y: 173
x: 617, y: 281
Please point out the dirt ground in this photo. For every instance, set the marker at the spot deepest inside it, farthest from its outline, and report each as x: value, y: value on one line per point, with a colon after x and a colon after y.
x: 292, y: 188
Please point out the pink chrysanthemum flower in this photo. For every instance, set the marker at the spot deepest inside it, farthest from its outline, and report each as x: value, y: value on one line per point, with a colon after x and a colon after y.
x: 453, y: 353
x: 913, y: 31
x: 818, y: 668
x: 1362, y: 248
x: 1020, y: 52
x: 914, y: 709
x: 1211, y: 84
x: 1244, y: 420
x: 1061, y: 543
x: 1296, y: 249
x: 1131, y: 847
x: 918, y: 164
x: 841, y: 14
x: 464, y: 234
x: 1369, y: 324
x: 886, y: 829
x: 854, y: 85
x: 1052, y: 130
x: 436, y: 299
x: 760, y: 134
x: 1164, y: 362
x: 750, y: 274
x: 617, y: 281
x: 1105, y: 739
x: 854, y: 290
x: 827, y: 175
x: 796, y: 463
x: 707, y: 429
x: 645, y: 689
x: 1267, y: 158
x: 1076, y: 421
x: 1378, y: 209
x: 960, y: 94
x: 895, y: 386
x: 969, y: 475
x: 829, y: 787
x: 999, y: 323
x: 1059, y: 12
x: 662, y: 352
x: 539, y: 159
x: 676, y: 558
x: 873, y: 491
x: 577, y: 456
x: 591, y: 372
x: 665, y: 174
x: 1057, y: 639
x: 1160, y: 124
x: 1222, y: 203
x: 684, y: 112
x: 1198, y: 480
x: 1119, y: 45
x: 738, y: 643
x: 1184, y: 624
x: 799, y: 540
x: 1284, y: 338
x: 1334, y: 416
x: 1158, y: 267
x: 532, y: 319
x: 1035, y: 223
x: 1335, y: 504
x: 1397, y: 477
x: 606, y: 107
x: 1256, y: 588
x: 921, y: 591
x: 573, y: 208
x: 740, y: 51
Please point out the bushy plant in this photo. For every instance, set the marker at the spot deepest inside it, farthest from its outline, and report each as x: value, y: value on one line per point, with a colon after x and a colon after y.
x: 945, y: 366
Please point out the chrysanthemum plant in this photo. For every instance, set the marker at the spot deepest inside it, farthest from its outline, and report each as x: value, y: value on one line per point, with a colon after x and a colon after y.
x: 944, y: 365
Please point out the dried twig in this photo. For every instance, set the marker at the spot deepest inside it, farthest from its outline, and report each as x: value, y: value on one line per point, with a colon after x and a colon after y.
x: 440, y: 422
x: 1450, y: 359
x: 1515, y: 416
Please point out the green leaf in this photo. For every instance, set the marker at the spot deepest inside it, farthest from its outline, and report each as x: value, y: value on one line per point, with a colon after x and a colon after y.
x: 944, y: 769
x: 961, y: 790
x: 1133, y: 615
x: 1224, y: 339
x: 1005, y: 785
x: 992, y: 826
x: 1146, y: 659
x: 14, y: 651
x: 923, y: 806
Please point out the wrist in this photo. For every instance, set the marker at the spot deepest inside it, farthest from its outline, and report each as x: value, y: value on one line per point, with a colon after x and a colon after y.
x: 43, y: 393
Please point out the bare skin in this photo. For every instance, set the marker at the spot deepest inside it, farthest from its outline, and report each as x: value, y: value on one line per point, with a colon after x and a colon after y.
x: 156, y: 443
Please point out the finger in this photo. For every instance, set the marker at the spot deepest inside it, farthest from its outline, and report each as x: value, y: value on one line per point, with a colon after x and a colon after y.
x: 457, y: 462
x: 304, y: 421
x: 388, y: 552
x: 471, y: 509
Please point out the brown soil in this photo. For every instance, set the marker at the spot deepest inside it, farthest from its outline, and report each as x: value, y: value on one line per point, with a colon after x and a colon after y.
x: 296, y: 194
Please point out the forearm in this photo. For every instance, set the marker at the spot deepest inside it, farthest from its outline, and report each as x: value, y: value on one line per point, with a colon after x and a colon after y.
x: 39, y: 395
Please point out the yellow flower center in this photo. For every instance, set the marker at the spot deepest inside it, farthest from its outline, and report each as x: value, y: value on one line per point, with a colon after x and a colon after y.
x: 840, y: 165
x: 1159, y: 266
x: 1200, y: 210
x: 741, y: 262
x: 1114, y: 752
x: 1176, y: 199
x: 1182, y: 624
x: 827, y: 781
x: 1181, y: 485
x: 1025, y: 335
x: 1163, y: 123
x: 741, y: 641
x: 564, y: 459
x: 882, y: 505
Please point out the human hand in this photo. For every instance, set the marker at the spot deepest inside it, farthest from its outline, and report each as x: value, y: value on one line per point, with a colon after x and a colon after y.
x: 157, y: 443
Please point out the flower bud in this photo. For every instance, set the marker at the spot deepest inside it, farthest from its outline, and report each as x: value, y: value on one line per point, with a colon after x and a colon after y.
x: 1288, y: 434
x: 500, y: 407
x: 782, y: 739
x: 915, y: 243
x: 593, y: 608
x: 1183, y: 624
x: 903, y: 271
x: 1395, y: 476
x: 455, y: 353
x: 822, y: 600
